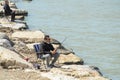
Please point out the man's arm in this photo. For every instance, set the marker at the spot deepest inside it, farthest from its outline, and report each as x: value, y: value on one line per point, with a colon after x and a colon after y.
x: 54, y: 51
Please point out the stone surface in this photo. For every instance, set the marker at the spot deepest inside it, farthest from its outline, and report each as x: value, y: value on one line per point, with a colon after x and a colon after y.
x: 74, y: 72
x: 20, y: 75
x: 14, y: 25
x: 22, y: 48
x: 5, y: 43
x: 9, y: 58
x: 6, y: 30
x: 3, y: 36
x: 70, y: 59
x: 19, y: 17
x: 29, y: 36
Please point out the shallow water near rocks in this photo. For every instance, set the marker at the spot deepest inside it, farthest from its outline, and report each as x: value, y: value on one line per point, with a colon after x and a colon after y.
x: 90, y: 27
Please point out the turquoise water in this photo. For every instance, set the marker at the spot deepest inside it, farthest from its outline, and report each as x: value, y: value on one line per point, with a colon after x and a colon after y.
x: 91, y: 28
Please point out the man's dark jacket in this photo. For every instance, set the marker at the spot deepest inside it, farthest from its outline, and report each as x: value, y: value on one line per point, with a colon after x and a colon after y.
x: 47, y: 48
x: 7, y: 9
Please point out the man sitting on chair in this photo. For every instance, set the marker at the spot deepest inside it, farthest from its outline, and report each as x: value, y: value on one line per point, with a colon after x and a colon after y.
x: 8, y: 11
x: 49, y: 50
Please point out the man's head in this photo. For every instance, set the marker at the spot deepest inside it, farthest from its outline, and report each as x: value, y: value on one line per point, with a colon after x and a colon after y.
x: 6, y: 2
x: 47, y: 38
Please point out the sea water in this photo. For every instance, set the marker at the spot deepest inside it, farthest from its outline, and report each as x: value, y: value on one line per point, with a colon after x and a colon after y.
x: 91, y: 28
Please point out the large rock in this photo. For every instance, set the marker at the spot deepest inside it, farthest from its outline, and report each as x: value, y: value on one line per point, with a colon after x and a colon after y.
x: 13, y: 25
x: 28, y: 36
x: 3, y: 36
x: 74, y: 72
x: 11, y: 59
x: 19, y: 17
x: 5, y: 41
x: 22, y: 48
x: 70, y: 59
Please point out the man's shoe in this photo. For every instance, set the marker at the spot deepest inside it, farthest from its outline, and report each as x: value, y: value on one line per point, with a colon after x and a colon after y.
x: 56, y: 66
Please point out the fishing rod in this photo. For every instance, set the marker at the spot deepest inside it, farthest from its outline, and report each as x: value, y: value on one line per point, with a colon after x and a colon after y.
x: 63, y: 40
x: 61, y: 47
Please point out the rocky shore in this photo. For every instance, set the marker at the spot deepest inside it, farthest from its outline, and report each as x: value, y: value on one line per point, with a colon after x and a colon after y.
x: 17, y: 55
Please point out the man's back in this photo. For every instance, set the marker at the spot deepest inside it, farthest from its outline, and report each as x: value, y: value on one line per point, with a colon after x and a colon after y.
x: 7, y: 9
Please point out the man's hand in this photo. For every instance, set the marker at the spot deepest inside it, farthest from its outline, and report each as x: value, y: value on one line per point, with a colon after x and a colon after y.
x: 54, y: 51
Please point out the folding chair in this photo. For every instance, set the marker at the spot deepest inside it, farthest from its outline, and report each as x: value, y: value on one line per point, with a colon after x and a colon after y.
x: 39, y: 53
